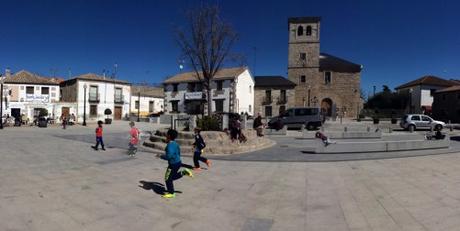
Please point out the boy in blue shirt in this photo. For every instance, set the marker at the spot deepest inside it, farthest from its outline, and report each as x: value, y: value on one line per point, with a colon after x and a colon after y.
x: 172, y: 155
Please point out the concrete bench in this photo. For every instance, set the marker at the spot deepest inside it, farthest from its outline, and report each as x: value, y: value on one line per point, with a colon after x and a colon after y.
x: 379, y: 146
x: 345, y: 135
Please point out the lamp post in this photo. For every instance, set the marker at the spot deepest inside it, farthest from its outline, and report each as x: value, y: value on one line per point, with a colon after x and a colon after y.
x: 410, y: 100
x: 84, y: 105
x: 138, y: 105
x: 1, y: 102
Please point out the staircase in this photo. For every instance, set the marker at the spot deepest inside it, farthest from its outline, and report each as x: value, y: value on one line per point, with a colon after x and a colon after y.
x: 217, y: 143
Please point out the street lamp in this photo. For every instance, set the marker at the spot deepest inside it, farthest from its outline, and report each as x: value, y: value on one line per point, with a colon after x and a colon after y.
x: 84, y: 105
x: 138, y: 105
x: 410, y: 100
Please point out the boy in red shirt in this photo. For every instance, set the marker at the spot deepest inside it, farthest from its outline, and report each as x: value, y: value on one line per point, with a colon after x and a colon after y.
x: 134, y: 132
x: 99, y: 140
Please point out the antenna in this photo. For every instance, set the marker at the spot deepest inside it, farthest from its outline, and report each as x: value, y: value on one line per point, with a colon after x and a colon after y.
x: 115, y: 68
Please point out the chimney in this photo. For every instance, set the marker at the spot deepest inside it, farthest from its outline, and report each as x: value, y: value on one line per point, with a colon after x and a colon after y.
x: 7, y: 72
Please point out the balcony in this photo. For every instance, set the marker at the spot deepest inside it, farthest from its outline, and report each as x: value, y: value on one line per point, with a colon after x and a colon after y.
x: 119, y: 99
x: 93, y: 98
x: 267, y: 100
x: 282, y: 100
x: 198, y: 95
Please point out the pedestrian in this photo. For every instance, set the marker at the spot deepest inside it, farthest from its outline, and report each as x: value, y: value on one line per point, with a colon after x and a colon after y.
x: 99, y: 140
x: 64, y: 121
x: 134, y: 140
x: 199, y: 145
x: 258, y: 125
x: 172, y: 155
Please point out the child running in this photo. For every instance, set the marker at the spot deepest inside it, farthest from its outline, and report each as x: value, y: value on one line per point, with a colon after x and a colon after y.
x: 172, y: 155
x: 99, y: 140
x: 134, y: 132
x: 199, y: 146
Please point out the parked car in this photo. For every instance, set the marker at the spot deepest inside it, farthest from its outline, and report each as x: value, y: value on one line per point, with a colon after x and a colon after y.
x: 296, y: 117
x: 420, y: 121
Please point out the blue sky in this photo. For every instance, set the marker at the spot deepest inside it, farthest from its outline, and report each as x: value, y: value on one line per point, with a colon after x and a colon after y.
x: 395, y: 41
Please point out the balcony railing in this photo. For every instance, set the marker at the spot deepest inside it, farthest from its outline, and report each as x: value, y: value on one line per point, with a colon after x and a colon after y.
x: 93, y: 98
x: 267, y: 100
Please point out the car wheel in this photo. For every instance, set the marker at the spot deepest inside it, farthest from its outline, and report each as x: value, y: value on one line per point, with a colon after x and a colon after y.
x: 438, y: 127
x: 411, y: 127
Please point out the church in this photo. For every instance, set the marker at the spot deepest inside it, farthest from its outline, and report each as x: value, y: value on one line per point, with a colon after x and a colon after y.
x: 322, y: 80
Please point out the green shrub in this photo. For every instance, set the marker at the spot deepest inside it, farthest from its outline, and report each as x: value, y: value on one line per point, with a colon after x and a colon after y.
x: 208, y: 123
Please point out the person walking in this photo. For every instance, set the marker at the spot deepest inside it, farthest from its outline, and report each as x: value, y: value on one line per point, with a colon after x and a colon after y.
x: 258, y: 125
x: 134, y: 140
x: 172, y: 155
x: 199, y: 145
x: 99, y: 131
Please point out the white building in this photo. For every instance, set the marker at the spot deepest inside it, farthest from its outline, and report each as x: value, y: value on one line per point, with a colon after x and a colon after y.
x: 101, y: 93
x: 232, y: 90
x: 27, y: 93
x: 146, y: 100
x: 421, y: 92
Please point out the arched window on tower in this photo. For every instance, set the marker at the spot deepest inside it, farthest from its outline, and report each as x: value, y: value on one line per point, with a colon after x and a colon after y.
x: 299, y: 31
x: 308, y: 31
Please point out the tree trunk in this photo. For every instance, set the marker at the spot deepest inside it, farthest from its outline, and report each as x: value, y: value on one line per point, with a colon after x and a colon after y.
x: 208, y: 95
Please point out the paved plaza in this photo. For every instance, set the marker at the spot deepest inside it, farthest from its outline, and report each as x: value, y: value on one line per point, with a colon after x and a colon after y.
x: 52, y: 180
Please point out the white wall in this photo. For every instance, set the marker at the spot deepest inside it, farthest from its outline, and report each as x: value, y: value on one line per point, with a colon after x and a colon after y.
x: 106, y: 99
x: 144, y: 104
x: 245, y: 93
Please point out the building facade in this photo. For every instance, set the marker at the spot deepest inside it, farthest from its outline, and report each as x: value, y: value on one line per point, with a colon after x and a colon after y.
x: 146, y: 100
x: 27, y: 93
x: 273, y: 95
x: 446, y: 104
x: 231, y: 91
x: 421, y: 92
x: 101, y: 93
x: 322, y: 80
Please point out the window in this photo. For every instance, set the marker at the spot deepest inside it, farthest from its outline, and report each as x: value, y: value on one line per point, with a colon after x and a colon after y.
x: 219, y: 105
x: 282, y: 96
x: 118, y: 95
x: 327, y: 77
x: 306, y: 111
x: 175, y: 106
x: 29, y: 90
x: 219, y: 85
x: 45, y: 90
x: 93, y: 93
x: 303, y: 56
x: 432, y: 91
x: 302, y: 79
x: 268, y: 96
x: 282, y: 109
x: 136, y: 104
x: 415, y: 118
x: 299, y: 31
x: 199, y: 87
x: 426, y: 119
x: 175, y: 87
x: 151, y: 103
x: 308, y: 31
x: 93, y: 110
x: 268, y: 111
x: 191, y: 87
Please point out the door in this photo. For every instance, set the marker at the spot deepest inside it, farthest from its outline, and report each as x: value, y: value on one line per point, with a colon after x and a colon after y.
x: 16, y: 112
x: 426, y: 121
x: 118, y: 112
x: 65, y: 111
x: 417, y: 121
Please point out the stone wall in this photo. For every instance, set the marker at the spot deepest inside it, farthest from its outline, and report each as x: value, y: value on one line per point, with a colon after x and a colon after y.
x: 259, y: 106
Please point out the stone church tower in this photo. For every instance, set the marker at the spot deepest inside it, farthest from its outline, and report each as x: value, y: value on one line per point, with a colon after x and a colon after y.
x: 322, y: 80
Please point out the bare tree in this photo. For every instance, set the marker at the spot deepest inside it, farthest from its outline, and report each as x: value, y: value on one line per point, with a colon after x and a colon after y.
x: 206, y: 43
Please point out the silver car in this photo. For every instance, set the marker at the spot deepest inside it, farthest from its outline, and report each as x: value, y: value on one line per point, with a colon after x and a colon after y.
x: 414, y: 121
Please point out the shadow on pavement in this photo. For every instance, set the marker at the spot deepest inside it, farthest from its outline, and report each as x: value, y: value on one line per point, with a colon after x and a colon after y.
x: 158, y: 188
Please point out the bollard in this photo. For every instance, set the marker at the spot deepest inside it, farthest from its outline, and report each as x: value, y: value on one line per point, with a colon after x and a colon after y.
x: 303, y: 127
x: 345, y: 129
x: 431, y: 128
x: 411, y: 129
x: 451, y: 127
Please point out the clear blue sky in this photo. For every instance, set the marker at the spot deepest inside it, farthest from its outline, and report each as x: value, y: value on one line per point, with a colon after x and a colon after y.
x: 395, y: 42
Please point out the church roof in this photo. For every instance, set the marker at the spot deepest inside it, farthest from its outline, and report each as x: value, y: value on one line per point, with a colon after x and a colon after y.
x: 273, y: 81
x: 304, y: 19
x: 428, y: 80
x: 328, y: 62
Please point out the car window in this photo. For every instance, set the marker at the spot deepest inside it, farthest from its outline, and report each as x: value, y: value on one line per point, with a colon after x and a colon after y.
x: 426, y: 118
x: 306, y: 111
x: 416, y: 118
x: 288, y: 113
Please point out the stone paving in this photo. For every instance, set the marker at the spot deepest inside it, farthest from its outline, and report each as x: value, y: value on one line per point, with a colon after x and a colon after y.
x: 52, y: 182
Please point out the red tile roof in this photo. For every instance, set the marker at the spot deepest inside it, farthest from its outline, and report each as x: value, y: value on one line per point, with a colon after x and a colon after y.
x: 428, y: 80
x: 25, y: 77
x: 449, y: 89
